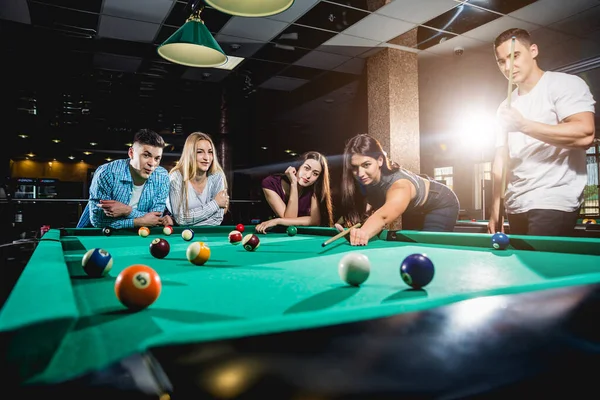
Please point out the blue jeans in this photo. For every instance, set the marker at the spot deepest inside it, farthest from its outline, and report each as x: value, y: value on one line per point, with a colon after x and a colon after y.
x: 438, y: 214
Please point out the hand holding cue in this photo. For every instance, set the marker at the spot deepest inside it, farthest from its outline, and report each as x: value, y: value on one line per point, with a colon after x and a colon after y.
x: 505, y: 144
x: 339, y: 235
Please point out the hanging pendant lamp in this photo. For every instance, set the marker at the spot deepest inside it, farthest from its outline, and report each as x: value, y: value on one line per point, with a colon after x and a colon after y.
x: 250, y: 8
x: 193, y: 45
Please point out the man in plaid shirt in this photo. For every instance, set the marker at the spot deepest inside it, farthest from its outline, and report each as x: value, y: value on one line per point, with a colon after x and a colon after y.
x: 130, y: 192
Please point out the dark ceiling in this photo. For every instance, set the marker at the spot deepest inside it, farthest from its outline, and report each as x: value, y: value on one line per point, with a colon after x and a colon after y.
x: 88, y: 72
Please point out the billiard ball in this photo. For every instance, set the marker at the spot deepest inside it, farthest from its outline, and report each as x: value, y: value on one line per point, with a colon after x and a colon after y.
x: 417, y: 270
x: 107, y: 231
x: 159, y: 248
x: 168, y: 230
x: 589, y: 221
x: 143, y: 231
x: 251, y: 242
x: 97, y: 262
x: 354, y: 268
x: 292, y: 230
x: 198, y: 253
x: 138, y: 286
x: 187, y: 234
x: 500, y: 241
x: 240, y: 228
x: 235, y: 237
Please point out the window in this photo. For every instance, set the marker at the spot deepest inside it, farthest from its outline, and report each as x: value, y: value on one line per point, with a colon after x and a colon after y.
x: 444, y: 175
x: 591, y: 191
x: 482, y: 184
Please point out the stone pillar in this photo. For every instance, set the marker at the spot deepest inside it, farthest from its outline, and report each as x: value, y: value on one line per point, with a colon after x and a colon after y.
x: 393, y: 106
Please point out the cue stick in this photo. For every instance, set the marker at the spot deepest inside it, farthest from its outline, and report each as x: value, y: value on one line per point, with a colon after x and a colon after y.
x: 505, y: 144
x: 341, y: 234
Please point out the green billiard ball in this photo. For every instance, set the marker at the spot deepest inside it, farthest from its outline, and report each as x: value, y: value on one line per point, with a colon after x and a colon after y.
x: 292, y: 230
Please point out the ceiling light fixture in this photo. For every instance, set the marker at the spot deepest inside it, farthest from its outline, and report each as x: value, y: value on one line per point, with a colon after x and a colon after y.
x: 193, y: 45
x: 250, y: 8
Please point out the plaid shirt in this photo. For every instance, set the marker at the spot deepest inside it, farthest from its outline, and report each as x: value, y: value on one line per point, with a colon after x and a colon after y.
x: 113, y: 181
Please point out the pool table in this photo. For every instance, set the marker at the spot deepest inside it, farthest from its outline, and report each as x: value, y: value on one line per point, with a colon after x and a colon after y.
x: 480, y: 226
x: 60, y: 326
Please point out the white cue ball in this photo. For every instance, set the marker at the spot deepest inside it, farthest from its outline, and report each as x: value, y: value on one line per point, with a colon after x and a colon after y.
x: 354, y: 268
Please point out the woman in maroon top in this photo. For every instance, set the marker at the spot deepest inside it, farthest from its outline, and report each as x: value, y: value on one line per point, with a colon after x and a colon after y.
x: 301, y: 195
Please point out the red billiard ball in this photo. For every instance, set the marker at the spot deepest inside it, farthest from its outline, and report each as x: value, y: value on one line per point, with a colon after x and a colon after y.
x: 138, y: 286
x: 235, y: 237
x: 251, y: 242
x: 159, y: 248
x: 168, y: 230
x: 240, y: 228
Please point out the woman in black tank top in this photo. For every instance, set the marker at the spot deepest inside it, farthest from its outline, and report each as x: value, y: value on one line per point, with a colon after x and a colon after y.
x: 376, y: 192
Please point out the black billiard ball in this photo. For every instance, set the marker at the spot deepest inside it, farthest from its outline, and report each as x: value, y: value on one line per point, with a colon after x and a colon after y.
x: 107, y: 231
x: 417, y: 270
x: 159, y: 248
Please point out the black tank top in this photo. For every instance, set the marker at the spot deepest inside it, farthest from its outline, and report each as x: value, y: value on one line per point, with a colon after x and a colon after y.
x: 376, y: 192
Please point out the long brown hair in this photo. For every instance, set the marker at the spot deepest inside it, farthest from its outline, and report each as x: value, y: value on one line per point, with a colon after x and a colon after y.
x: 354, y: 203
x: 321, y: 187
x: 188, y: 167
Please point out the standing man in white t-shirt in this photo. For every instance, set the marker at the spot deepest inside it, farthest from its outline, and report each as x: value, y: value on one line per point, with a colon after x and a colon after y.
x: 131, y: 192
x: 550, y: 124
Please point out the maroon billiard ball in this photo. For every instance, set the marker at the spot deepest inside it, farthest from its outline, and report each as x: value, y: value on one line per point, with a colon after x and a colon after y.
x: 240, y: 228
x: 251, y: 242
x: 235, y: 237
x: 159, y: 248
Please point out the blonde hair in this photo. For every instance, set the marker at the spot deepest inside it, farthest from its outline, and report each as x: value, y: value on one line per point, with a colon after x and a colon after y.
x: 188, y: 166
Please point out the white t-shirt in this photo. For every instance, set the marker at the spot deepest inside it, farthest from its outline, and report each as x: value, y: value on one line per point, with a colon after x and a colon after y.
x: 136, y: 193
x: 543, y: 176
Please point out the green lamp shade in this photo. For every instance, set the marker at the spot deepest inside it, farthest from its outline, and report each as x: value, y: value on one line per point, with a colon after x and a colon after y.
x: 193, y: 45
x: 251, y: 8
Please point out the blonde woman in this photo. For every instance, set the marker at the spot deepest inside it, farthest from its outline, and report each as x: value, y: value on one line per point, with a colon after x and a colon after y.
x: 198, y: 187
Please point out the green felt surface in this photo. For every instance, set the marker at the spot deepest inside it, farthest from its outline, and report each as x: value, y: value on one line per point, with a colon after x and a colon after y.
x: 288, y: 283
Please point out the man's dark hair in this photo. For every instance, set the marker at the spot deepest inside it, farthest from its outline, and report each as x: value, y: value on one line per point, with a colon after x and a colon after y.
x: 149, y: 138
x: 520, y: 34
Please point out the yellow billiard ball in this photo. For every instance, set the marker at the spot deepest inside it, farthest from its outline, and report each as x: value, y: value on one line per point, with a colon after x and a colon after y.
x: 198, y: 253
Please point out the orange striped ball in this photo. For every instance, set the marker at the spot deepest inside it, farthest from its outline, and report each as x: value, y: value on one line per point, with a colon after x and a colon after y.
x: 198, y: 253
